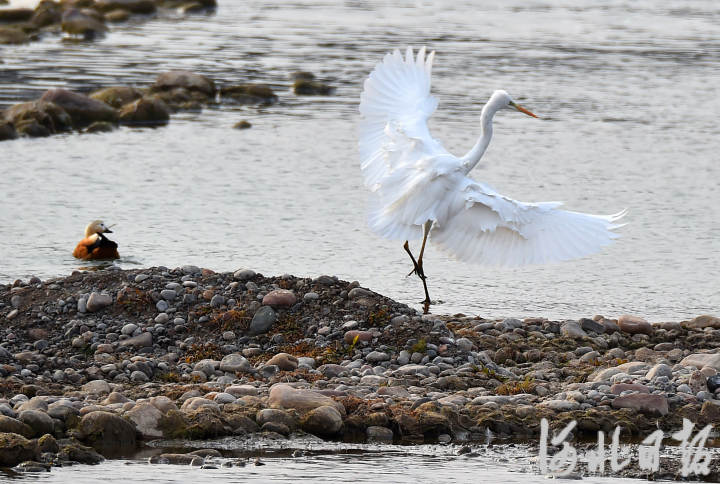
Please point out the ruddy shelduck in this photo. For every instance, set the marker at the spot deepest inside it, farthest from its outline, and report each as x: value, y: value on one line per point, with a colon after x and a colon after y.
x: 95, y: 245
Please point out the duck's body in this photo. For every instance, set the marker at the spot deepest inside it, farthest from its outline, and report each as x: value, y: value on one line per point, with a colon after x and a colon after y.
x: 95, y: 245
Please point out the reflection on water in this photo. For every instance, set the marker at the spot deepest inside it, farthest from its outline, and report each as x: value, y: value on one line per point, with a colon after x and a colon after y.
x: 628, y: 96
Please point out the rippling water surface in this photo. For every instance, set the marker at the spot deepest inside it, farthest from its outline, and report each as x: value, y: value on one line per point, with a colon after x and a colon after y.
x: 628, y: 93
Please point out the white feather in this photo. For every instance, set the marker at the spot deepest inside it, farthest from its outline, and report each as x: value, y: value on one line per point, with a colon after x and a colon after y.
x: 413, y: 179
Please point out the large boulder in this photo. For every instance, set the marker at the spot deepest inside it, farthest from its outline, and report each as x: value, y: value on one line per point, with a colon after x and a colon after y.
x: 323, y: 421
x: 14, y: 426
x: 236, y: 362
x: 14, y: 448
x: 190, y: 81
x: 40, y: 422
x: 74, y: 451
x: 146, y: 111
x: 82, y: 22
x: 284, y: 396
x: 146, y: 418
x: 118, y: 96
x: 82, y: 109
x: 107, y: 432
x: 38, y: 117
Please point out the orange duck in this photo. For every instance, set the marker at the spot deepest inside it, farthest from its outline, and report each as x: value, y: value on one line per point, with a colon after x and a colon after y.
x: 95, y: 245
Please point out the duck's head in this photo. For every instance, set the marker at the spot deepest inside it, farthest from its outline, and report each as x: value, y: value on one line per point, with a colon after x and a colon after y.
x: 96, y: 227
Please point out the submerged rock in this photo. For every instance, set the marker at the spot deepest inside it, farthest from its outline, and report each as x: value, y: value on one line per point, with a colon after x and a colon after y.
x: 15, y: 448
x: 82, y: 109
x: 306, y: 87
x: 146, y: 111
x: 82, y: 22
x: 249, y: 94
x: 117, y: 97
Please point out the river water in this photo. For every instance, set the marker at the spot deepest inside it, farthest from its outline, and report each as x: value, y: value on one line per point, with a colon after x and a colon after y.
x: 628, y: 94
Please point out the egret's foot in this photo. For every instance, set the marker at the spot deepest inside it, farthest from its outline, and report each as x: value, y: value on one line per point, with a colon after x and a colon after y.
x: 426, y: 306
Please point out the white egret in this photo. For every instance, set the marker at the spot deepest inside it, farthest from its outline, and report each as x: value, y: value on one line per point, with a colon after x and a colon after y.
x: 419, y: 189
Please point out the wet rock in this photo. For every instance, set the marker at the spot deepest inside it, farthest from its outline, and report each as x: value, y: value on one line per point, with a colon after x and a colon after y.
x: 134, y: 6
x: 323, y: 421
x: 15, y: 448
x: 306, y: 87
x: 634, y: 325
x: 46, y: 13
x: 185, y: 79
x: 37, y: 115
x: 14, y: 426
x: 118, y: 15
x: 79, y: 22
x: 284, y: 361
x: 146, y: 418
x: 117, y: 97
x: 704, y: 321
x: 47, y: 443
x: 262, y: 321
x: 643, y: 402
x: 13, y: 35
x: 100, y: 127
x: 276, y: 416
x: 82, y: 109
x: 7, y: 131
x: 146, y: 111
x: 280, y: 298
x: 700, y: 360
x: 379, y: 435
x: 177, y: 459
x: 249, y: 94
x: 76, y: 452
x: 242, y: 124
x: 285, y: 396
x: 591, y: 325
x: 40, y: 422
x: 710, y: 412
x: 107, y: 432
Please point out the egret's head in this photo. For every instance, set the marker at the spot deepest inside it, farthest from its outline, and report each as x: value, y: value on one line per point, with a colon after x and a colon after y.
x: 503, y: 100
x: 96, y: 227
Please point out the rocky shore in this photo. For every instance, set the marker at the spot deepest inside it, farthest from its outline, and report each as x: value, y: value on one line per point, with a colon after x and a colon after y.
x: 99, y: 362
x: 101, y: 110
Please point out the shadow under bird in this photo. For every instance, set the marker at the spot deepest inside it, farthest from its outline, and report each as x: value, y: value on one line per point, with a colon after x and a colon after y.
x: 419, y: 189
x: 95, y: 245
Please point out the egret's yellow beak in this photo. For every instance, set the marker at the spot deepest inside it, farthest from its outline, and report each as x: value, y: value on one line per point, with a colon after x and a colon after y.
x: 522, y: 109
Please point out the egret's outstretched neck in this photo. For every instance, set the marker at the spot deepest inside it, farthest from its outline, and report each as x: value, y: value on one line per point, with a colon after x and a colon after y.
x: 473, y: 156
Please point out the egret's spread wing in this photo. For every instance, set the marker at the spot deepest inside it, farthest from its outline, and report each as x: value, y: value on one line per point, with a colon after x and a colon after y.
x: 488, y: 228
x: 395, y: 105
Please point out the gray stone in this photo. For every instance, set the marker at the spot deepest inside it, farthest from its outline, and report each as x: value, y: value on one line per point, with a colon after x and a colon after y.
x: 464, y: 345
x: 235, y: 362
x: 262, y: 321
x: 40, y: 422
x: 244, y: 274
x: 572, y: 329
x: 162, y: 318
x: 643, y: 402
x: 377, y: 357
x: 138, y: 377
x: 324, y: 421
x: 129, y: 329
x: 96, y: 387
x: 98, y: 301
x: 162, y: 305
x: 217, y: 301
x: 403, y: 358
x: 285, y: 396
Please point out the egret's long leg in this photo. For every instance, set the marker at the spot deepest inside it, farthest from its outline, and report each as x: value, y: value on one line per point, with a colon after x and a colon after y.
x: 426, y: 232
x: 418, y: 270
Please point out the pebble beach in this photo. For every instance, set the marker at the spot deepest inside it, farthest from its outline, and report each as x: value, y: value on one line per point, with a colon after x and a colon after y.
x: 104, y: 362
